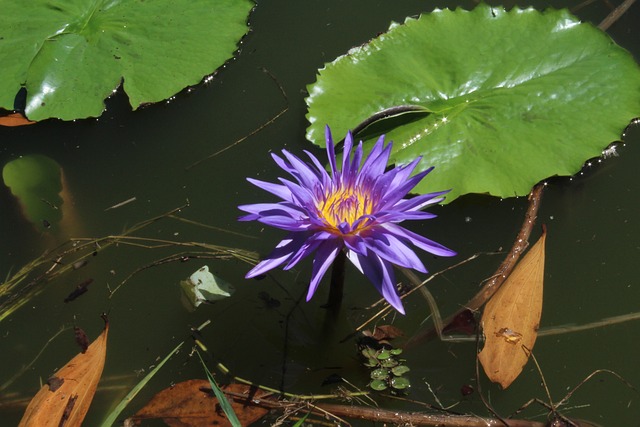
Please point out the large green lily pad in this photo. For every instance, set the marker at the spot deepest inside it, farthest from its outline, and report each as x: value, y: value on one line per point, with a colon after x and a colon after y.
x: 72, y: 54
x: 496, y: 100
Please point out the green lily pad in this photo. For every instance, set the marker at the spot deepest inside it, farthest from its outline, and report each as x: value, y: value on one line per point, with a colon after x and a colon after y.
x: 496, y: 100
x: 400, y: 383
x: 388, y: 363
x: 36, y: 181
x: 378, y: 385
x: 400, y: 370
x: 383, y: 354
x: 70, y: 55
x: 379, y: 374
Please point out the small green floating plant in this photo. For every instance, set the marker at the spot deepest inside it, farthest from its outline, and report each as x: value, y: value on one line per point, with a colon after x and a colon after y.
x: 387, y: 369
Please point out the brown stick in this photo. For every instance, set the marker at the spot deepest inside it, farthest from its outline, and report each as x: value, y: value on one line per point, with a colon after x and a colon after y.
x: 521, y: 243
x: 615, y: 15
x: 503, y: 271
x: 419, y: 418
x: 389, y: 416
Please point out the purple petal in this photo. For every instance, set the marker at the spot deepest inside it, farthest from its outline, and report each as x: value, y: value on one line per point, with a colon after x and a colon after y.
x: 284, y: 223
x: 420, y: 202
x: 283, y: 251
x: 279, y: 215
x: 380, y: 272
x: 282, y: 215
x: 355, y: 243
x: 396, y: 194
x: 305, y: 174
x: 300, y: 195
x: 407, y: 170
x: 331, y: 154
x: 275, y: 189
x: 355, y: 260
x: 284, y: 165
x: 394, y: 250
x: 325, y: 255
x: 374, y: 153
x: 321, y: 170
x: 305, y: 250
x: 399, y: 216
x: 308, y: 247
x: 275, y: 209
x: 416, y: 239
x: 376, y: 162
x: 392, y: 179
x: 364, y: 219
x: 355, y: 163
x: 346, y: 155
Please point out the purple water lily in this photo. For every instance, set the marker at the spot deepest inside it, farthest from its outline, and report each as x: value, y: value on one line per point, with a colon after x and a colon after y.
x: 356, y: 209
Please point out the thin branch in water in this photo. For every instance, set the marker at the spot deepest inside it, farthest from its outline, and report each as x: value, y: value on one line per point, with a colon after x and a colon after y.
x: 253, y: 132
x: 591, y: 375
x: 582, y: 5
x: 28, y: 366
x: 121, y: 204
x: 418, y: 285
x: 211, y: 227
x: 529, y: 353
x: 557, y: 330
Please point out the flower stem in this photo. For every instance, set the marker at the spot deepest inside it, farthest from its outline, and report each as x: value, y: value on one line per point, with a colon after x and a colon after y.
x: 337, y: 282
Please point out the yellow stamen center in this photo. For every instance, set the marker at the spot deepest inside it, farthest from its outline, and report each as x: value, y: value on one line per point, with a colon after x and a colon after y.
x: 345, y: 205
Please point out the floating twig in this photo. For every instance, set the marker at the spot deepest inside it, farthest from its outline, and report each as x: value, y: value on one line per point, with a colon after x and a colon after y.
x: 253, y: 132
x: 121, y: 204
x: 396, y: 417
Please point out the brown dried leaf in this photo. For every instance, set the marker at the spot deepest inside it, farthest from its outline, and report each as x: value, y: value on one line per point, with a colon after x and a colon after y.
x: 511, y: 319
x: 66, y: 402
x: 386, y: 332
x: 192, y: 404
x: 14, y: 119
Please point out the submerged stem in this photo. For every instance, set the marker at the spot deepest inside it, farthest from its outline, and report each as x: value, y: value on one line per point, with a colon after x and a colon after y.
x: 337, y: 282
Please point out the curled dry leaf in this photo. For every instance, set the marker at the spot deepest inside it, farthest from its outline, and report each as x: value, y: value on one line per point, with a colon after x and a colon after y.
x: 65, y: 400
x: 192, y: 404
x: 511, y: 318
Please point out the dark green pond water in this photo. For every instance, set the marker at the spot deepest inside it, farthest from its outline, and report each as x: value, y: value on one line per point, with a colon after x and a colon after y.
x: 592, y: 245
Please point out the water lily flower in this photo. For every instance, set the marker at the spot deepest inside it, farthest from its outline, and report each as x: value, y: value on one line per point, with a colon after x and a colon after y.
x: 355, y: 209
